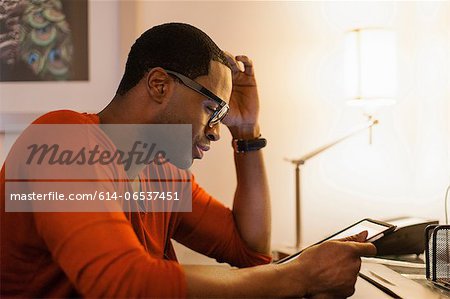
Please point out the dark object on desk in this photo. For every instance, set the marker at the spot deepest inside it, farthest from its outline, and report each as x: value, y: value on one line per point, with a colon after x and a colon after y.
x: 437, y: 255
x: 408, y: 237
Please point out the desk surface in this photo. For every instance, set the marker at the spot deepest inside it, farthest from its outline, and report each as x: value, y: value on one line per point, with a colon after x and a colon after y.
x: 411, y: 267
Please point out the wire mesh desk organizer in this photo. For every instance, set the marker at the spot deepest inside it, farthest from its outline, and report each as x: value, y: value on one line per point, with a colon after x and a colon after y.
x: 437, y: 255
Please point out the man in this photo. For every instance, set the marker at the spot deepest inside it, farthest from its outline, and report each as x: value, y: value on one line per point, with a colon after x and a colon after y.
x: 121, y: 254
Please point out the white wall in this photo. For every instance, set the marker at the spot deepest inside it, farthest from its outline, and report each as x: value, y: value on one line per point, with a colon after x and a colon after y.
x: 296, y: 48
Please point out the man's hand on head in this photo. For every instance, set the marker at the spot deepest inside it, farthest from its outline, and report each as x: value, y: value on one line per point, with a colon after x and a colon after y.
x: 242, y: 119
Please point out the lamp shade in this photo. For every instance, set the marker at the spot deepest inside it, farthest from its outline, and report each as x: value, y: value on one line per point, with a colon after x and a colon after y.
x: 371, y: 66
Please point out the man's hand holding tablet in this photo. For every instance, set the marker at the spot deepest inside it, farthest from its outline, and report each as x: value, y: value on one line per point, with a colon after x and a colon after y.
x: 332, y: 265
x: 330, y: 269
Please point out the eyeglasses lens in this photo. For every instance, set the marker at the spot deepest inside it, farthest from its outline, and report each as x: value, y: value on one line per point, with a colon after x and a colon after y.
x: 218, y: 116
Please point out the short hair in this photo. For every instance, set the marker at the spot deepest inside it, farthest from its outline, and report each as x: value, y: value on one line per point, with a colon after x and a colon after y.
x: 179, y: 47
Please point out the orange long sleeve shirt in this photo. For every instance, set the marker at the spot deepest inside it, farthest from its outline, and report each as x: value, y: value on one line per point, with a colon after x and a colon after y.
x: 111, y: 254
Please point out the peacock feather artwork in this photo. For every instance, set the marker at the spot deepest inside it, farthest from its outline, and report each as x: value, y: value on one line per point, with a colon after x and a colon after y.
x: 35, y: 40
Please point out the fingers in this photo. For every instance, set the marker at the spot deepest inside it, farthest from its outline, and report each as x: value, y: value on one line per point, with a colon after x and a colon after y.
x: 361, y: 237
x: 364, y: 249
x: 361, y: 248
x: 233, y: 63
x: 247, y: 62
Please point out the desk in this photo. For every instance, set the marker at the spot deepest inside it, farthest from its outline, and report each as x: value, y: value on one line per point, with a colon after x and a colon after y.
x: 411, y: 267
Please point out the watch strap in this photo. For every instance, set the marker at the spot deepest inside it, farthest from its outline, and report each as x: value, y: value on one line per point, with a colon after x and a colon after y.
x: 248, y: 145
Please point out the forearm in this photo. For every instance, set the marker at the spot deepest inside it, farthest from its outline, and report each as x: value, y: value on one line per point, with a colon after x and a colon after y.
x: 256, y: 282
x: 251, y: 207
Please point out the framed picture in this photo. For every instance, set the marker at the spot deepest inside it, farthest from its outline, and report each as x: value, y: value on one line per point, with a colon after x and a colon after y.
x: 44, y: 40
x: 88, y: 93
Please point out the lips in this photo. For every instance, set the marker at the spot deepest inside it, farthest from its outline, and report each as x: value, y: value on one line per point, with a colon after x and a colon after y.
x: 200, y: 150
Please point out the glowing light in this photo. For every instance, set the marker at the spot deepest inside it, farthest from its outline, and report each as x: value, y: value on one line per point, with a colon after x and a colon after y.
x: 371, y: 67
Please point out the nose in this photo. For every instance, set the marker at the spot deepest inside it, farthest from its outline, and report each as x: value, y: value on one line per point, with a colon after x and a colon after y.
x: 213, y: 134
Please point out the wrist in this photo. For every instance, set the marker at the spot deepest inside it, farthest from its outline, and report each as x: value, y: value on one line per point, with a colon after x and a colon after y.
x: 250, y: 131
x: 270, y: 281
x: 293, y: 284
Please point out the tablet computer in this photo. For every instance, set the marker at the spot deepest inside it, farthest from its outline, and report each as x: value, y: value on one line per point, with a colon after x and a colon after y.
x: 376, y: 229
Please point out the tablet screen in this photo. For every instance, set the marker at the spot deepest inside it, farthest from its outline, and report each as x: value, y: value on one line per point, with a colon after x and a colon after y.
x: 375, y: 229
x: 372, y: 228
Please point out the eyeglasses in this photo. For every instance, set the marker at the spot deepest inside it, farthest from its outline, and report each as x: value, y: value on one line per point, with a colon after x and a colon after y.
x: 220, y: 112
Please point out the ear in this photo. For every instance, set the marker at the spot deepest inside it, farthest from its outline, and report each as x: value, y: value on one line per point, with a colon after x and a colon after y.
x: 159, y: 84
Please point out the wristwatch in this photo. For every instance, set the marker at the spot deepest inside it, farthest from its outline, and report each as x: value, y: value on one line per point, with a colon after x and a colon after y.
x: 248, y: 145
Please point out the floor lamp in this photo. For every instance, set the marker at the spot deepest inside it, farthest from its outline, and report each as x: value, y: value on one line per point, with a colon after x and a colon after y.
x: 298, y: 162
x: 370, y: 72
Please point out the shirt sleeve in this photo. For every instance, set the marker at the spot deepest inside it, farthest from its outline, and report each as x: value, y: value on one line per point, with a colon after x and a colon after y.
x: 211, y: 230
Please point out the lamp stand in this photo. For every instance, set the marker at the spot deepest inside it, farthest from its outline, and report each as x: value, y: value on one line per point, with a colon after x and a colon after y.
x: 298, y: 223
x: 298, y: 162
